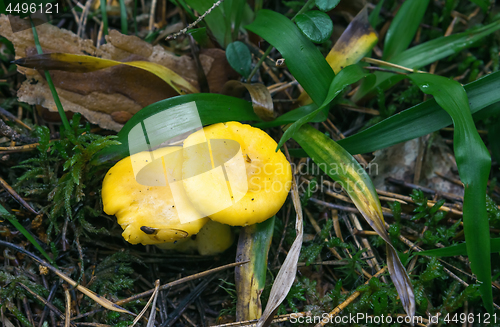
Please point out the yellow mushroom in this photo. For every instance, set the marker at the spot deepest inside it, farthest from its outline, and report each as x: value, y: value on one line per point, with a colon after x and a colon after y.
x: 148, y: 214
x: 232, y: 173
x: 212, y: 239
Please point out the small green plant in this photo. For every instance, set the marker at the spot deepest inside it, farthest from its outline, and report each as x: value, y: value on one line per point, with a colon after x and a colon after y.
x: 63, y: 174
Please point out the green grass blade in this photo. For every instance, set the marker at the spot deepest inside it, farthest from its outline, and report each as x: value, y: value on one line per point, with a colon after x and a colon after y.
x: 403, y: 27
x: 123, y: 17
x: 52, y: 88
x: 4, y: 213
x: 425, y: 54
x: 345, y: 170
x: 104, y: 18
x: 294, y: 115
x: 459, y: 249
x: 302, y: 58
x: 474, y: 162
x: 375, y: 15
x: 212, y: 108
x: 423, y: 118
x: 347, y: 76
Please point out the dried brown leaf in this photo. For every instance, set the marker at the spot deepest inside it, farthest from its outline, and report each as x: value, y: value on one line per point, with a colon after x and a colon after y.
x: 97, y: 95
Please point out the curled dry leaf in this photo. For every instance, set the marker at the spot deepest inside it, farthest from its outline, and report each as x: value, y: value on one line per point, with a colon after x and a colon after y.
x: 96, y: 95
x: 261, y: 98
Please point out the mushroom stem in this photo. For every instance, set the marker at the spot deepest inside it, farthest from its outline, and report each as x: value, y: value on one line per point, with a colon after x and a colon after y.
x: 253, y: 246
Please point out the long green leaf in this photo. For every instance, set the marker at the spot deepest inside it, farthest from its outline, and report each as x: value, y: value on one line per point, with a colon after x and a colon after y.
x: 425, y: 54
x: 253, y: 245
x: 302, y: 58
x: 474, y: 162
x: 344, y: 169
x: 347, y: 76
x: 403, y: 27
x: 422, y: 119
x: 459, y: 249
x: 4, y: 213
x: 212, y: 108
x: 294, y: 115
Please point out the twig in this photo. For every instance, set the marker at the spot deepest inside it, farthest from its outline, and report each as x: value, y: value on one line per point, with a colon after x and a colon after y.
x: 348, y: 301
x: 16, y: 196
x: 184, y: 30
x: 389, y: 64
x: 180, y: 281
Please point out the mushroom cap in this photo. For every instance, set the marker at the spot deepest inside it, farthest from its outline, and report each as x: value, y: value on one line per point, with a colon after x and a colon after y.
x: 232, y: 187
x: 148, y: 214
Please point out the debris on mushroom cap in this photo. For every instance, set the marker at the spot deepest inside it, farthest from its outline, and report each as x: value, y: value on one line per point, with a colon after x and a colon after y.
x: 148, y: 214
x: 212, y: 239
x: 258, y: 178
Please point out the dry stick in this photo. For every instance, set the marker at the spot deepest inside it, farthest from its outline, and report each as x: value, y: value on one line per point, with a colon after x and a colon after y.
x: 83, y: 19
x: 152, y: 16
x: 413, y: 246
x: 153, y: 297
x: 10, y: 116
x: 334, y: 252
x: 41, y: 299
x: 420, y: 158
x: 369, y: 253
x: 21, y: 148
x: 283, y: 234
x: 348, y: 301
x: 67, y: 320
x: 388, y: 64
x: 180, y: 281
x: 368, y: 111
x: 16, y: 196
x: 184, y: 30
x: 97, y: 298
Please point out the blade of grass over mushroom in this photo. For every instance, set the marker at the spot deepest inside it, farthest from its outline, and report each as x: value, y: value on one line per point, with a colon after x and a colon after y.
x: 303, y: 59
x: 346, y: 77
x: 4, y: 213
x: 212, y: 108
x: 253, y: 245
x: 344, y: 169
x: 459, y: 249
x: 425, y: 54
x: 403, y: 27
x: 474, y: 162
x: 423, y: 118
x: 82, y: 64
